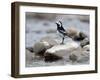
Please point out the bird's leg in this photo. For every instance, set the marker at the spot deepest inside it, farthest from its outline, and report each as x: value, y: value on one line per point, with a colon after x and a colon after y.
x: 62, y: 40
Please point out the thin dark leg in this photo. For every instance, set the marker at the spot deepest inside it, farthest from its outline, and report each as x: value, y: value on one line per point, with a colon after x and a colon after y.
x: 62, y: 40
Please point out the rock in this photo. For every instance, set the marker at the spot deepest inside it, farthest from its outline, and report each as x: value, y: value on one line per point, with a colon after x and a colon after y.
x: 49, y: 40
x: 73, y: 57
x: 82, y: 35
x: 51, y: 57
x: 40, y: 47
x: 41, y: 53
x: 84, y: 42
x: 75, y: 34
x: 29, y: 55
x: 86, y: 48
x: 79, y: 55
x: 30, y: 49
x: 61, y: 51
x: 79, y: 37
x: 71, y: 32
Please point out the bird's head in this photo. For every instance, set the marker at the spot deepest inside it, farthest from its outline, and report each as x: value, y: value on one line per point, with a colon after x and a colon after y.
x: 59, y: 24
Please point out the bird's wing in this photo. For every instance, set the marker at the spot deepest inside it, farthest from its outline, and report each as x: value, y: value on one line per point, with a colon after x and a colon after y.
x: 62, y: 31
x: 62, y: 28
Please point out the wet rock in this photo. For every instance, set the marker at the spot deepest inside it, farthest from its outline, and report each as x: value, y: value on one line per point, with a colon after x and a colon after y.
x: 30, y: 49
x: 71, y: 32
x: 84, y: 42
x: 49, y: 40
x: 86, y: 48
x: 41, y: 52
x: 82, y: 35
x: 40, y: 47
x: 73, y: 57
x: 79, y: 37
x: 75, y: 34
x: 51, y: 57
x: 29, y: 55
x: 79, y: 55
x: 60, y: 51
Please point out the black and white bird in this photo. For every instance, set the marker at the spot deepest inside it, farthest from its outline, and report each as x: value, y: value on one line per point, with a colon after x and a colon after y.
x: 61, y: 30
x: 71, y: 33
